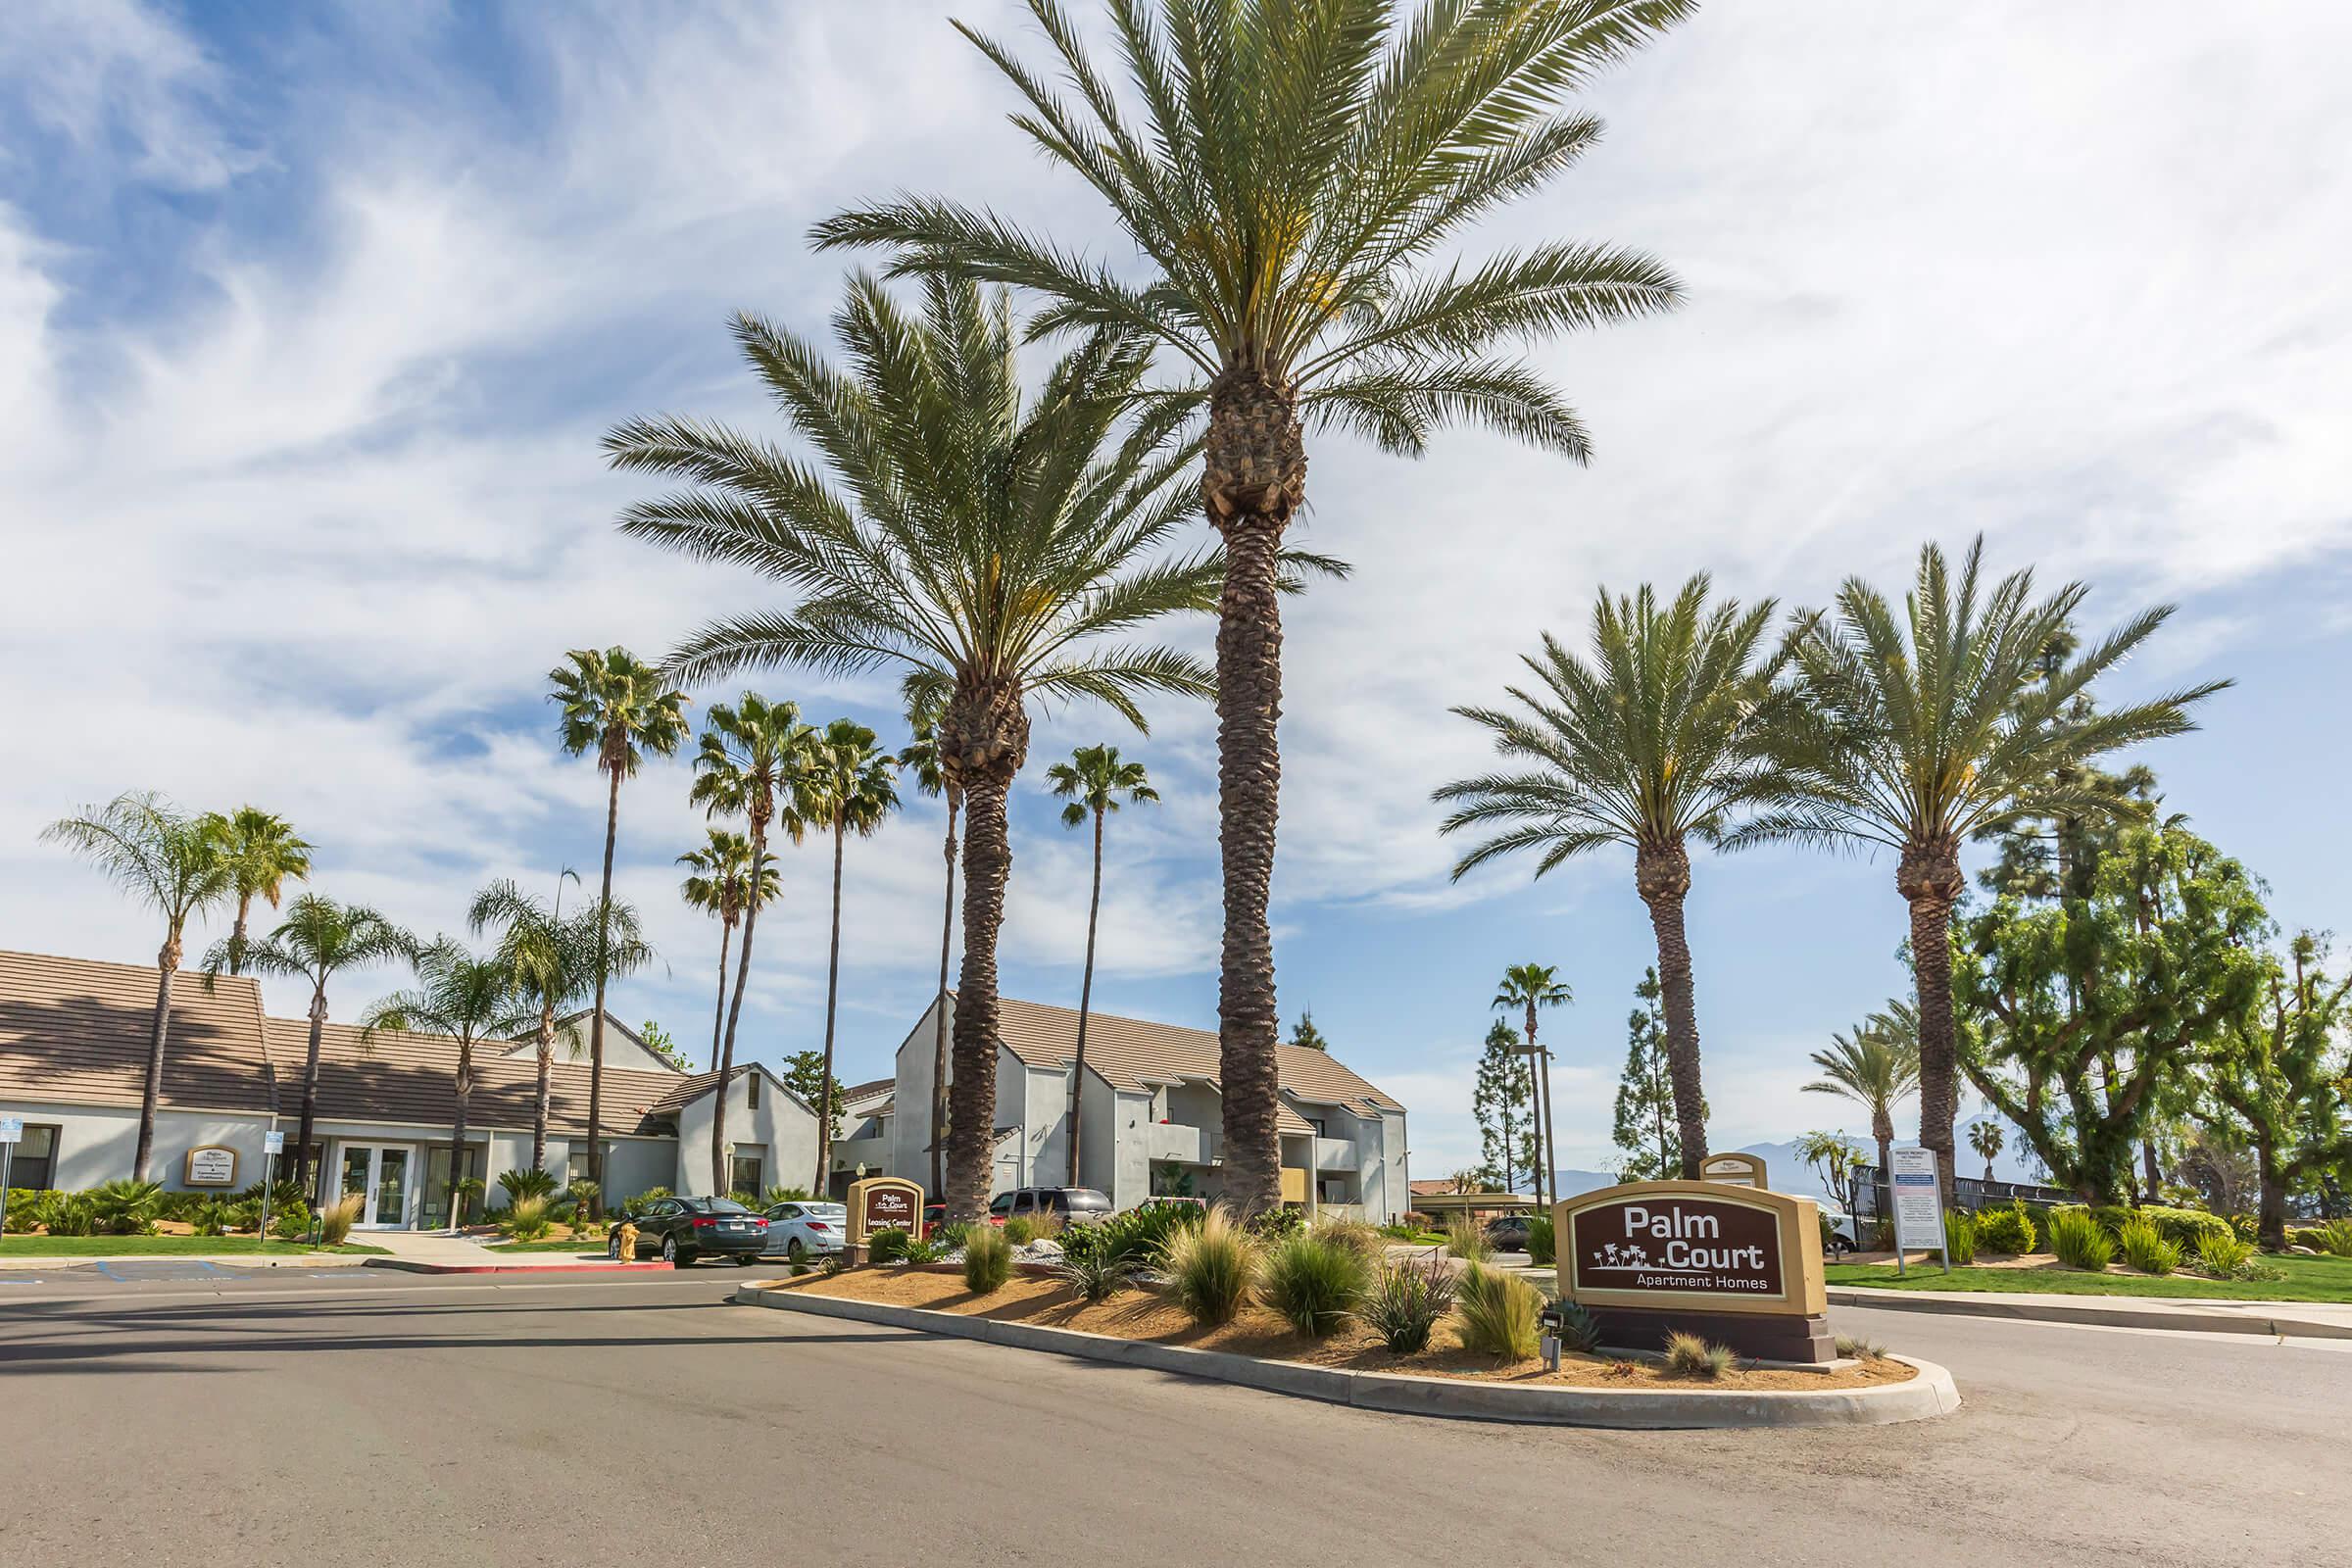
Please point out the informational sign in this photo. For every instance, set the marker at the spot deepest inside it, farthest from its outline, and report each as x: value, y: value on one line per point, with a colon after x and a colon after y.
x: 1732, y: 1170
x: 11, y: 1129
x: 1696, y: 1246
x: 884, y: 1203
x: 211, y: 1166
x: 273, y: 1143
x: 1918, y: 1200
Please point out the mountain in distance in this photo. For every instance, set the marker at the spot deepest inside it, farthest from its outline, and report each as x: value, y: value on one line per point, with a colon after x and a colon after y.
x: 1786, y: 1171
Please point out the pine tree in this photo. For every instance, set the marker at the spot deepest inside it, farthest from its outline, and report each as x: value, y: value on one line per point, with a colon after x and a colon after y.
x: 1645, y: 1128
x: 1503, y: 1102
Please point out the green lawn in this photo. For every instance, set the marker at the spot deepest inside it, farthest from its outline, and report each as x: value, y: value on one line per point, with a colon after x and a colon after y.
x: 2308, y: 1279
x: 161, y: 1246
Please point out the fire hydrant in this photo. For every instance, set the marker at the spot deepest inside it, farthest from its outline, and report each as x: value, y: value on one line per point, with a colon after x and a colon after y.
x: 628, y: 1241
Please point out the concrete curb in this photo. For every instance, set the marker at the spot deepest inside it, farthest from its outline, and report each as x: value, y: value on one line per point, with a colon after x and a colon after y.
x: 240, y: 1259
x: 1930, y: 1395
x: 2102, y: 1312
x: 411, y: 1266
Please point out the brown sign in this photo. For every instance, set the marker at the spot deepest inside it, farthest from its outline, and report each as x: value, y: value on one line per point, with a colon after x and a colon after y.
x: 1695, y: 1246
x: 884, y: 1203
x: 1734, y: 1170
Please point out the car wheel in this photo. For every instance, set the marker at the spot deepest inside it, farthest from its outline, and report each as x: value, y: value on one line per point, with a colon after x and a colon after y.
x: 797, y: 1251
x: 670, y: 1252
x: 613, y: 1248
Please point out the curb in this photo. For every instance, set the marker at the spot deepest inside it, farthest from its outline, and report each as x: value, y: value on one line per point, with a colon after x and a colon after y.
x: 1930, y: 1395
x: 2097, y: 1314
x: 411, y: 1266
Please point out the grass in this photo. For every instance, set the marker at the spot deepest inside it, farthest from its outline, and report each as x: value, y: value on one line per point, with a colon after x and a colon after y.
x: 162, y: 1247
x: 2308, y: 1279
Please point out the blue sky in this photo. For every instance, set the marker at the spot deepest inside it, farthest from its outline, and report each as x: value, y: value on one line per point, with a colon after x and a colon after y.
x: 310, y: 320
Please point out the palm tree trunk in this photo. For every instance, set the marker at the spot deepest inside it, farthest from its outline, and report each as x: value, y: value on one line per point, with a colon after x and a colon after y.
x: 2271, y: 1209
x: 1254, y: 477
x: 1086, y: 995
x: 1541, y: 1101
x: 1551, y: 1133
x: 596, y: 1019
x: 236, y: 937
x: 1928, y: 879
x: 2147, y: 1159
x: 727, y: 1053
x: 1662, y: 876
x: 939, y: 1028
x: 718, y: 1013
x: 973, y: 1118
x: 824, y: 1088
x: 308, y: 1126
x: 547, y: 1069
x: 159, y: 1030
x: 457, y: 1130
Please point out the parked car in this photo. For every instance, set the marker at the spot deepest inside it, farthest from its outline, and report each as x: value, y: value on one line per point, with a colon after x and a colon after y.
x: 1845, y: 1231
x: 1508, y: 1233
x: 1077, y: 1206
x: 799, y: 1230
x: 683, y: 1229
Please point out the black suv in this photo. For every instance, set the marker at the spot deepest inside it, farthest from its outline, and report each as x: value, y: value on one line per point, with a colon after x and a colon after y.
x: 683, y: 1229
x: 1076, y: 1204
x: 1508, y: 1233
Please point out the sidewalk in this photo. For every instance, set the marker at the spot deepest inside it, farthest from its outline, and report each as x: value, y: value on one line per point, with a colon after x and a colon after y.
x: 439, y: 1253
x: 2314, y: 1320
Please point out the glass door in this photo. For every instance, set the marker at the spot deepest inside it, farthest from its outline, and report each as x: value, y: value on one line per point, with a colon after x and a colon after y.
x: 380, y: 1174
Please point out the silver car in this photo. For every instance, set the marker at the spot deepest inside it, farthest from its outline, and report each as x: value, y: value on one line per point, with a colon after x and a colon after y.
x: 804, y: 1229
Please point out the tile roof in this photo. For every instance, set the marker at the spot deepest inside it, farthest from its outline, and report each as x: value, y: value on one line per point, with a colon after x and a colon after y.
x: 1132, y: 1054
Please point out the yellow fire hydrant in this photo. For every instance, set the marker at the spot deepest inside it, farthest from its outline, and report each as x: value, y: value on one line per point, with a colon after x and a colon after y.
x: 628, y: 1241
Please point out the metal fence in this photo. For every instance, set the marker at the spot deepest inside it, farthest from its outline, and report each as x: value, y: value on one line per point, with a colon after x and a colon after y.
x: 1873, y: 1198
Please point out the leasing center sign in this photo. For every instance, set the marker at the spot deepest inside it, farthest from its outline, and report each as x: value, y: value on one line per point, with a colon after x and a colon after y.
x: 1696, y: 1246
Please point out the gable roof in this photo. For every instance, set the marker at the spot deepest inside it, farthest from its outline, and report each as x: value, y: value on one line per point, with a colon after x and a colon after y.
x: 1133, y: 1054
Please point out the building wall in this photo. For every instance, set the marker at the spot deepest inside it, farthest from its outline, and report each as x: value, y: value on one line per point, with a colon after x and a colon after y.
x: 96, y: 1144
x: 783, y: 1131
x: 1110, y: 1158
x: 909, y: 1144
x: 1388, y: 1186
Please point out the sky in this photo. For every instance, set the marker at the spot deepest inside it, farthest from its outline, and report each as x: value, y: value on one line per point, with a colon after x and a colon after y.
x: 311, y: 318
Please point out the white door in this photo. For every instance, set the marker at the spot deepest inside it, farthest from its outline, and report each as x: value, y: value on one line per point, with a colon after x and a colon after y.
x: 384, y: 1177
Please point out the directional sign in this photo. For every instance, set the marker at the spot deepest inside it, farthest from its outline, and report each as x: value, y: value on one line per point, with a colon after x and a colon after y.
x: 11, y: 1129
x: 273, y: 1143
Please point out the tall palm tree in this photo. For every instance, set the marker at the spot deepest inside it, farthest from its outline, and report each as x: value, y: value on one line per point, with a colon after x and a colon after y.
x: 1914, y: 731
x: 930, y: 778
x: 265, y: 852
x: 1985, y: 1138
x: 997, y: 548
x: 749, y: 765
x: 174, y: 866
x: 848, y: 786
x: 1092, y: 781
x: 1647, y: 744
x: 1296, y: 169
x: 1873, y: 1070
x: 318, y: 940
x: 467, y: 999
x: 1530, y: 986
x: 618, y: 708
x: 554, y: 960
x: 722, y: 883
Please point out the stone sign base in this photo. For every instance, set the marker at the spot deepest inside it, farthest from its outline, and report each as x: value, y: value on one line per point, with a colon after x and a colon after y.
x: 1757, y: 1335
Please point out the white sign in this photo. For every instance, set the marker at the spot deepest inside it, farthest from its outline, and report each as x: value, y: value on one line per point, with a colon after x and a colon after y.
x: 11, y: 1129
x: 211, y: 1166
x: 1918, y: 1201
x: 273, y: 1143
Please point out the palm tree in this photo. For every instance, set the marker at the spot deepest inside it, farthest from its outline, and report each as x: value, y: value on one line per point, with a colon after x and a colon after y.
x: 930, y: 778
x: 720, y: 883
x: 1092, y: 781
x: 988, y: 544
x: 1532, y: 986
x: 1986, y: 1138
x: 265, y: 851
x: 749, y: 765
x: 1916, y: 732
x: 1873, y: 1070
x: 467, y: 999
x: 1296, y: 169
x: 317, y: 940
x: 618, y: 708
x: 847, y: 788
x: 1648, y: 744
x: 174, y: 866
x: 554, y: 960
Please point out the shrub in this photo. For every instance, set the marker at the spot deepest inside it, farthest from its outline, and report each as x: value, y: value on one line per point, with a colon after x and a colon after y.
x: 1356, y: 1235
x: 951, y: 1237
x: 1314, y: 1280
x: 2079, y: 1241
x: 2179, y: 1226
x: 26, y: 1210
x: 1094, y: 1275
x: 211, y: 1218
x: 930, y: 1250
x: 527, y: 1220
x: 1881, y: 1236
x: 1498, y: 1312
x: 1208, y: 1267
x: 784, y: 1194
x: 463, y: 1195
x: 1135, y: 1238
x: 336, y: 1219
x: 1406, y: 1301
x: 2007, y: 1231
x: 1577, y: 1331
x: 887, y: 1246
x: 2333, y: 1237
x: 1046, y: 1225
x: 522, y: 1184
x: 1414, y: 1219
x: 584, y: 1195
x: 1959, y: 1237
x: 292, y: 1223
x: 1273, y: 1224
x: 245, y: 1214
x: 987, y: 1259
x: 2146, y: 1248
x: 1465, y: 1241
x: 1860, y: 1348
x: 1690, y: 1356
x: 127, y: 1207
x: 2245, y: 1227
x: 1542, y: 1248
x: 2219, y: 1255
x: 1016, y: 1230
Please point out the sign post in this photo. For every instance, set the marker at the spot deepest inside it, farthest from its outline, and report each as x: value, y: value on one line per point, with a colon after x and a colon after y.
x: 1738, y: 1265
x: 1918, y: 1206
x: 12, y: 1128
x: 273, y: 1144
x: 883, y: 1204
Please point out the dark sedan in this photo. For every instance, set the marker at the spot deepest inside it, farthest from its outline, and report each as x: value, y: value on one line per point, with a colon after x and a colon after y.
x: 1508, y: 1233
x: 680, y: 1230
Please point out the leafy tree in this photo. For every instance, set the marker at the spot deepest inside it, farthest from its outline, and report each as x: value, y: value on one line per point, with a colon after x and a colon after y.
x: 1649, y: 744
x: 1876, y: 1071
x: 470, y: 1000
x: 1836, y: 1162
x: 618, y: 708
x: 921, y: 757
x: 1645, y: 1127
x: 848, y: 787
x: 1293, y: 173
x: 1503, y: 1098
x: 2149, y: 972
x: 317, y: 940
x: 999, y: 549
x: 1985, y: 1138
x: 720, y: 882
x: 660, y: 1043
x: 806, y: 1075
x: 1305, y: 1036
x: 265, y: 853
x: 1092, y: 781
x: 1915, y: 732
x: 176, y: 867
x: 1530, y: 986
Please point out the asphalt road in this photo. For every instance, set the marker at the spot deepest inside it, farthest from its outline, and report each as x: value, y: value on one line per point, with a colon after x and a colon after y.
x: 354, y: 1418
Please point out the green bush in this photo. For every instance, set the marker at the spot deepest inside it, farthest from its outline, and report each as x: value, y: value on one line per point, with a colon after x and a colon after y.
x: 2333, y: 1237
x: 2147, y: 1248
x: 521, y: 1184
x: 464, y: 1197
x: 1578, y: 1332
x: 1881, y: 1236
x: 584, y: 1195
x: 1137, y: 1238
x: 1208, y: 1267
x: 2179, y: 1226
x: 1019, y: 1231
x: 1094, y: 1275
x: 1314, y: 1282
x: 931, y: 1249
x: 127, y: 1207
x: 1356, y: 1235
x: 2079, y: 1241
x: 2006, y: 1231
x: 1959, y: 1237
x: 1499, y: 1313
x: 337, y: 1218
x: 211, y: 1218
x: 290, y: 1223
x: 784, y: 1194
x: 245, y: 1214
x: 1542, y: 1248
x: 2247, y: 1227
x: 29, y: 1209
x: 2221, y: 1256
x: 1465, y: 1241
x: 528, y: 1220
x: 1690, y: 1356
x: 1273, y: 1224
x: 1406, y: 1301
x: 74, y: 1215
x: 635, y: 1207
x: 887, y: 1246
x: 987, y: 1259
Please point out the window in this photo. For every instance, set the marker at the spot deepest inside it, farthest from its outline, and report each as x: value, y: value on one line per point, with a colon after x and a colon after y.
x: 33, y: 1165
x: 576, y: 1160
x: 1001, y: 1203
x: 747, y: 1175
x: 750, y: 1090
